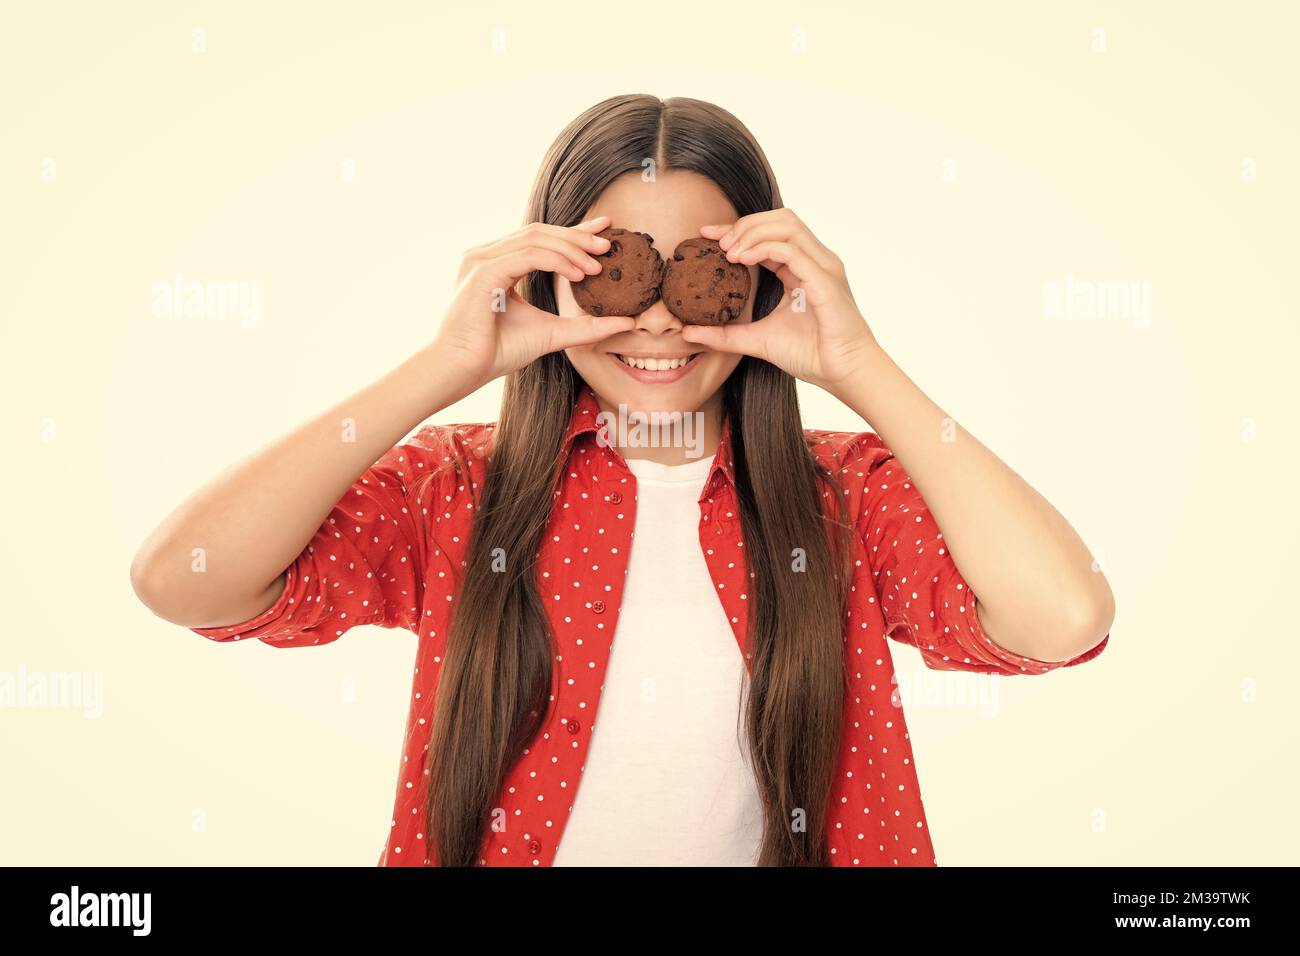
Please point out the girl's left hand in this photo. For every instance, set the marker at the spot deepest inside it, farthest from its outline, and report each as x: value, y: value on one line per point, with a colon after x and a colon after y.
x: 816, y: 332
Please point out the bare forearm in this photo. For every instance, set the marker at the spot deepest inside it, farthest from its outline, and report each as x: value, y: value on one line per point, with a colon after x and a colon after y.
x: 1038, y: 594
x: 252, y: 520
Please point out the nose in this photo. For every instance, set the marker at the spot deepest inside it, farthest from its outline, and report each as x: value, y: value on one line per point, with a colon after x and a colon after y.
x: 657, y: 319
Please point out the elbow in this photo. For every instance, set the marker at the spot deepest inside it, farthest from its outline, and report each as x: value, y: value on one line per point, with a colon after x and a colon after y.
x: 145, y: 581
x: 1087, y: 623
x: 157, y: 589
x: 180, y: 596
x: 1076, y: 627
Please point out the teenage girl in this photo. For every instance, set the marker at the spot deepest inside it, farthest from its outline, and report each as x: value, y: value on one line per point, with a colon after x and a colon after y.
x: 631, y: 652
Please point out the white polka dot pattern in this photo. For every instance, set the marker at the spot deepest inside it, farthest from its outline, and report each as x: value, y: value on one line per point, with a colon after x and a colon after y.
x: 390, y: 556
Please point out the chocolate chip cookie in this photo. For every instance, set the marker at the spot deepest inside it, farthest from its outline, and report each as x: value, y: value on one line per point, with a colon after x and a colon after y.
x: 701, y: 287
x: 628, y: 282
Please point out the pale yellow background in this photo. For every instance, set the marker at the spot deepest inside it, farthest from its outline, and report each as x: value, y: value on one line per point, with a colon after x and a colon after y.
x: 1170, y: 446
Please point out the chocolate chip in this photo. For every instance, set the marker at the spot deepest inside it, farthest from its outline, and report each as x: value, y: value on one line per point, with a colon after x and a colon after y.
x: 615, y: 274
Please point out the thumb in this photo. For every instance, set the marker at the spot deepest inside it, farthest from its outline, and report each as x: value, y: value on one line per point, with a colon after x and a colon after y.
x: 743, y: 339
x: 568, y: 332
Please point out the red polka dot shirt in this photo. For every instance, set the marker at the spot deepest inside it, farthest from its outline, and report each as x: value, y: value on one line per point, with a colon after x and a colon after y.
x: 390, y: 557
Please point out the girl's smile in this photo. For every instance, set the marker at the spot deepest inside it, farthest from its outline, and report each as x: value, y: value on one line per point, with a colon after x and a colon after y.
x: 656, y: 367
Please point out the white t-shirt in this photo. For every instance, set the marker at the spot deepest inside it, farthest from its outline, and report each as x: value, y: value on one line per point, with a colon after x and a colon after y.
x: 668, y: 780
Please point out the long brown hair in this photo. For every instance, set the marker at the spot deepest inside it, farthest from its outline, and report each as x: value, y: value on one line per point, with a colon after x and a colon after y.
x: 492, y: 693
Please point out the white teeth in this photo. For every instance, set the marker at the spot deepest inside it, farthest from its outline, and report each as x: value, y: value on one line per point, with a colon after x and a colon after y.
x: 654, y: 365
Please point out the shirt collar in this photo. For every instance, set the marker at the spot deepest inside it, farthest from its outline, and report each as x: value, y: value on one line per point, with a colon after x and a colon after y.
x: 584, y: 419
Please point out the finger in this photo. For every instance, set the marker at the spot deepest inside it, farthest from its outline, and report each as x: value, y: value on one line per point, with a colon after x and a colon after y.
x: 788, y: 279
x: 782, y: 271
x: 593, y: 225
x: 787, y: 230
x: 768, y: 217
x: 744, y: 339
x: 586, y: 262
x: 506, y: 270
x: 754, y: 220
x: 570, y: 331
x: 581, y: 237
x: 584, y: 233
x: 802, y: 268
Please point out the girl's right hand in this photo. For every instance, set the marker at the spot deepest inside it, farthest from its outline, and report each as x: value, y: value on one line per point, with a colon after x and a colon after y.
x: 490, y: 331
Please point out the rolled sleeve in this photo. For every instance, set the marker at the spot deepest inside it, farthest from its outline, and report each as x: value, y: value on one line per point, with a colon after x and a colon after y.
x: 363, y: 565
x: 923, y: 597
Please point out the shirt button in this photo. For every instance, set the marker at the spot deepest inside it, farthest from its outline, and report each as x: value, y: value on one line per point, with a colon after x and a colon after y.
x: 615, y: 498
x: 573, y: 726
x: 534, y: 847
x: 598, y: 607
